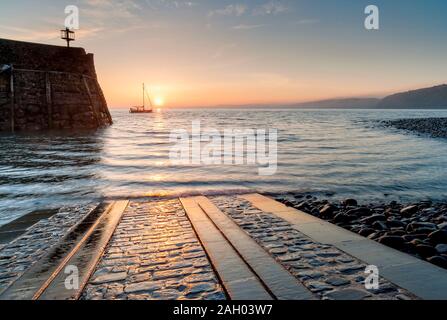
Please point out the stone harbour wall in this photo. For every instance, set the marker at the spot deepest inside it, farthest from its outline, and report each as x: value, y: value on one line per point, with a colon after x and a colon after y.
x: 53, y: 88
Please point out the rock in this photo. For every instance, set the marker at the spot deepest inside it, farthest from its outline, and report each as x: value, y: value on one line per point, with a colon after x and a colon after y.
x: 316, y: 286
x: 143, y: 287
x: 399, y: 233
x: 337, y: 282
x: 168, y: 274
x: 409, y: 237
x: 425, y: 251
x: 290, y: 257
x: 298, y: 266
x: 330, y: 254
x: 203, y: 287
x: 409, y: 211
x: 395, y: 224
x: 443, y: 226
x: 164, y: 295
x: 438, y: 237
x: 418, y: 225
x: 110, y: 277
x: 439, y: 261
x: 359, y: 212
x: 365, y: 232
x: 351, y: 269
x: 343, y: 217
x: 348, y: 294
x: 441, y: 248
x: 281, y: 229
x: 374, y: 218
x: 384, y: 288
x: 308, y: 255
x: 316, y: 263
x: 375, y: 235
x: 350, y: 203
x: 213, y: 296
x: 424, y: 231
x: 416, y: 242
x: 281, y: 250
x: 395, y: 242
x: 328, y: 210
x: 345, y: 259
x: 270, y: 239
x: 418, y: 236
x: 303, y: 206
x: 379, y: 225
x: 309, y: 274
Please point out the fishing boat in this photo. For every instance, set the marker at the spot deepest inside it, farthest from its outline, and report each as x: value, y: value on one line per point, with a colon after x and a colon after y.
x: 142, y: 109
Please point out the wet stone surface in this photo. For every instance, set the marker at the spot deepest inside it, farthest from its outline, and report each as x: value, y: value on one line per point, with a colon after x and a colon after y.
x: 418, y: 229
x: 20, y: 254
x: 154, y: 255
x: 328, y: 272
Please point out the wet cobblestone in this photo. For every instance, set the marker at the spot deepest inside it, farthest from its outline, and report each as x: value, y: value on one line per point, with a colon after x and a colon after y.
x: 325, y: 270
x: 20, y: 254
x: 154, y: 255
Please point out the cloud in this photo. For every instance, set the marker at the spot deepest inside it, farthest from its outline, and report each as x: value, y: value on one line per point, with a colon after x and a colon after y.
x: 118, y: 16
x: 247, y: 26
x: 270, y: 8
x: 108, y: 9
x: 98, y: 18
x: 169, y: 4
x: 230, y: 10
x: 129, y: 9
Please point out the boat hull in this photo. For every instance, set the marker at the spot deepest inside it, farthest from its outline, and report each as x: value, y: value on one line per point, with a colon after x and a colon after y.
x: 140, y: 111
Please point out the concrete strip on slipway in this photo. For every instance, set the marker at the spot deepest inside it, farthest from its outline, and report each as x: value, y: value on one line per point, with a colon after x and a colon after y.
x: 81, y: 248
x: 276, y: 278
x: 421, y: 278
x: 238, y: 279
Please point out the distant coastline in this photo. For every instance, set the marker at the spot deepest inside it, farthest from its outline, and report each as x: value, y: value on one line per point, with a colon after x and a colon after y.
x: 426, y: 98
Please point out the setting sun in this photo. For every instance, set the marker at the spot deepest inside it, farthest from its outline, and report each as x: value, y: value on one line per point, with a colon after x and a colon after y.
x: 159, y: 101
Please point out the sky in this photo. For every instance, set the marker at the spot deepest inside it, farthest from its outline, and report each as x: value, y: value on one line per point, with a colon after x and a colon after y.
x: 237, y: 52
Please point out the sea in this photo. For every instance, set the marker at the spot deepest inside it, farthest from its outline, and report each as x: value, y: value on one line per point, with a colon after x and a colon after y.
x: 331, y: 154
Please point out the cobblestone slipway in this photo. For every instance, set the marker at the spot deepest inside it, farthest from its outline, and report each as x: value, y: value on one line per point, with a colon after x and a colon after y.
x: 20, y: 254
x: 154, y: 254
x: 326, y: 271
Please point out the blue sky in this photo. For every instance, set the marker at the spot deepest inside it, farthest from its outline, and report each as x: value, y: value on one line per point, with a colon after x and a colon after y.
x: 205, y: 52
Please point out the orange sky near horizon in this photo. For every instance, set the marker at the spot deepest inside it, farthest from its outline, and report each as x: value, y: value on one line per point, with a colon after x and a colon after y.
x: 217, y: 53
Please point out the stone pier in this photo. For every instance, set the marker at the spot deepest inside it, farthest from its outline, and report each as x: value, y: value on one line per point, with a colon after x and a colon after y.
x: 44, y: 87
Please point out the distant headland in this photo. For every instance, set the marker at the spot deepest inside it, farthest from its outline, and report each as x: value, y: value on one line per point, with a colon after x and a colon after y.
x: 426, y: 98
